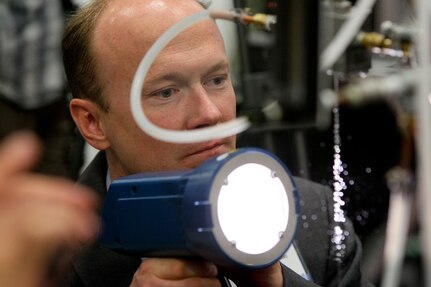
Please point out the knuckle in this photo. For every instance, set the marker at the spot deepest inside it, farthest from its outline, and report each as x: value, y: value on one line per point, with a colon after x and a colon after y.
x: 178, y: 268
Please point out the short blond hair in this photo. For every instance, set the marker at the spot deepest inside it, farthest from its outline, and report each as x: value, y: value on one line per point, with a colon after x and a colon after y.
x: 79, y: 62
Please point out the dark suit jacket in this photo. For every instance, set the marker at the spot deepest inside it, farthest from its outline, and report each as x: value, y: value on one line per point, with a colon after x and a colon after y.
x: 98, y: 266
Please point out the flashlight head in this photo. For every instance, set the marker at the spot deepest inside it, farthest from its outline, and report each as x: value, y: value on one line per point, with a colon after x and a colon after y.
x: 248, y: 208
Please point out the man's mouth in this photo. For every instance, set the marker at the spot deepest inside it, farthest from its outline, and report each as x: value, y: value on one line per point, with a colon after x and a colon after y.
x: 209, y: 150
x: 198, y: 153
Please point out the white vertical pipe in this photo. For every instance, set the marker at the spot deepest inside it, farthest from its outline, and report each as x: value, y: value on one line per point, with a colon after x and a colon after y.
x: 396, y: 235
x: 424, y: 134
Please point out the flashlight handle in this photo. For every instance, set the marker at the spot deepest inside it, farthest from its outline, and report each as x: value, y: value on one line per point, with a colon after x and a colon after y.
x: 142, y: 215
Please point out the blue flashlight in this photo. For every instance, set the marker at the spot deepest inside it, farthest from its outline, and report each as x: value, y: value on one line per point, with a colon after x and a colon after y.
x: 237, y: 209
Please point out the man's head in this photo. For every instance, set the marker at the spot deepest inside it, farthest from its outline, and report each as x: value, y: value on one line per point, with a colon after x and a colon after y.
x: 187, y: 87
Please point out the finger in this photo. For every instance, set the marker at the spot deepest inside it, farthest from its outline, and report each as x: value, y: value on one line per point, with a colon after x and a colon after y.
x: 18, y: 152
x: 44, y: 227
x: 198, y: 282
x: 71, y: 226
x: 176, y: 269
x: 47, y: 227
x: 268, y: 276
x: 150, y: 280
x: 33, y: 187
x: 40, y: 232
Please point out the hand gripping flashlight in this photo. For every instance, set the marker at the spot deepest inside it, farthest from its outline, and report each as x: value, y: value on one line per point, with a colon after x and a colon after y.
x: 238, y: 209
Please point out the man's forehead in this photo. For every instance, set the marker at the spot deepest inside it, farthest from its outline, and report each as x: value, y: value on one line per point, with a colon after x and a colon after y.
x: 149, y: 18
x: 134, y: 25
x: 177, y: 9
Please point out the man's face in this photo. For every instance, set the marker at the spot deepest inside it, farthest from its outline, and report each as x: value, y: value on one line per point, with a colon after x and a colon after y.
x: 188, y: 86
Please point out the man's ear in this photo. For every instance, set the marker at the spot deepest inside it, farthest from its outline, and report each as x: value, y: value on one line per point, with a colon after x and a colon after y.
x: 86, y: 115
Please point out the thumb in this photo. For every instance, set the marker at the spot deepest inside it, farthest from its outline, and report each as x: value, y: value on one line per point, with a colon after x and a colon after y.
x: 18, y: 152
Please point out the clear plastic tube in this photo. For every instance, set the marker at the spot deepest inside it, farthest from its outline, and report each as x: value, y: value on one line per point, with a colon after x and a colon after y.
x: 346, y: 34
x: 192, y: 136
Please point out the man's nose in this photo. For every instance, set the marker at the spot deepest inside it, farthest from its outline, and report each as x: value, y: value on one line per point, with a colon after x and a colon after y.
x: 203, y: 109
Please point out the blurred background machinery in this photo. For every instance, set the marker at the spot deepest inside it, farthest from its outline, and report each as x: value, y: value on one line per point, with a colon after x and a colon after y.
x: 344, y: 115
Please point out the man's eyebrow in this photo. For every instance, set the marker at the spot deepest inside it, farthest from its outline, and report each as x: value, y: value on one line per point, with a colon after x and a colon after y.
x: 223, y: 64
x: 172, y: 76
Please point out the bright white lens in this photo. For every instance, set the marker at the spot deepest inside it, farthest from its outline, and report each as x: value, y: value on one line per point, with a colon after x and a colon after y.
x: 253, y: 208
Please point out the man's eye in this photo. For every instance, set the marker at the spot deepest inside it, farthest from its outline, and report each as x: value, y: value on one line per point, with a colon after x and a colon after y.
x: 165, y: 94
x: 217, y: 81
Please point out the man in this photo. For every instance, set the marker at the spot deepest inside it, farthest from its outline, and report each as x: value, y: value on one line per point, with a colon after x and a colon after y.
x: 188, y: 87
x: 43, y: 221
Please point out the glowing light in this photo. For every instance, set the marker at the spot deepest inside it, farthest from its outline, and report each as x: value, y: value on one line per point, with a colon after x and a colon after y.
x: 246, y: 208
